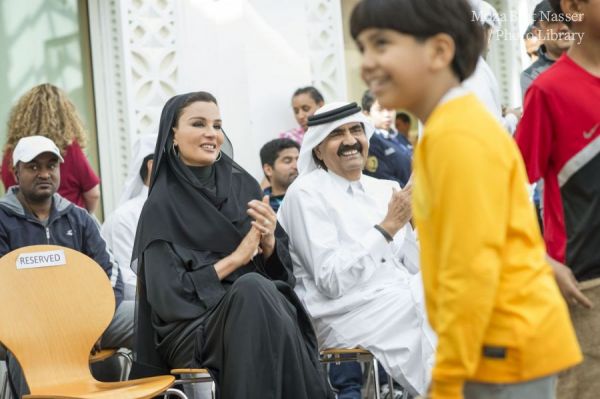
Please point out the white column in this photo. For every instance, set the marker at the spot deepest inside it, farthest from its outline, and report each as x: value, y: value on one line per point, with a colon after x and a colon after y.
x: 326, y: 40
x: 112, y: 108
x: 507, y: 55
x: 135, y: 72
x: 150, y: 57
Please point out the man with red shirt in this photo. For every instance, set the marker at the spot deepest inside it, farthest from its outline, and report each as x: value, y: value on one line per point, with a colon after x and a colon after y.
x: 559, y: 137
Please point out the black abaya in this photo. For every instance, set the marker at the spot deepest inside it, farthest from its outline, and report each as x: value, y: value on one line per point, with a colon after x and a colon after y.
x: 251, y: 332
x: 248, y: 329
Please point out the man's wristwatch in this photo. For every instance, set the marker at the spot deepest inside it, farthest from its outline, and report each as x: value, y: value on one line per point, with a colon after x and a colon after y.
x: 384, y: 233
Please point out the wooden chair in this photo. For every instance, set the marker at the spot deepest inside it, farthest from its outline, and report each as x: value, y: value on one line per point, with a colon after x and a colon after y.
x: 340, y: 355
x: 51, y: 318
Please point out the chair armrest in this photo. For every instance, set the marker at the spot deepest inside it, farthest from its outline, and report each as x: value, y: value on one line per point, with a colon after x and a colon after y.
x: 189, y: 371
x: 101, y: 355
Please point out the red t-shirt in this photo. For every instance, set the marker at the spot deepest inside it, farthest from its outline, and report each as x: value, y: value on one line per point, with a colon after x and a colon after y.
x: 559, y: 137
x: 76, y: 174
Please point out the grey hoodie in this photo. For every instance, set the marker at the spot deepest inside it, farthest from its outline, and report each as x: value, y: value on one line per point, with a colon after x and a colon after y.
x: 68, y: 225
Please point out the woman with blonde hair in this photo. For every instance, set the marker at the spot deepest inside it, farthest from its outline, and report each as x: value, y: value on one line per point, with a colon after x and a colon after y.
x: 46, y: 110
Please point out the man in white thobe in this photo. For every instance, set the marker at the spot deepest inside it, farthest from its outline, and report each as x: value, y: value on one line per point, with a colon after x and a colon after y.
x: 355, y: 256
x: 119, y: 228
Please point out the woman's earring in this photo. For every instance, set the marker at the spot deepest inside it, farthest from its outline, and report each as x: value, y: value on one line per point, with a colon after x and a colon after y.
x: 174, y: 148
x: 219, y: 156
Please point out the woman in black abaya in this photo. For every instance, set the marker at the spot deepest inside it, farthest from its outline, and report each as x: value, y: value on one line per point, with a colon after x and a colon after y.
x: 214, y: 281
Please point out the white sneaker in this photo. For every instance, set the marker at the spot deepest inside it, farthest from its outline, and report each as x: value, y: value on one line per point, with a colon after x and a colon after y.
x: 386, y: 394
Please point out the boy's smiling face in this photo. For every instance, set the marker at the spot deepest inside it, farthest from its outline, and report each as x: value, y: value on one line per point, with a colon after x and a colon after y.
x: 405, y: 72
x: 393, y: 66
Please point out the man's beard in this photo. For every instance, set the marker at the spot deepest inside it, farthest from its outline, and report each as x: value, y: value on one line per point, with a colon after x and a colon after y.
x: 36, y: 198
x: 288, y: 182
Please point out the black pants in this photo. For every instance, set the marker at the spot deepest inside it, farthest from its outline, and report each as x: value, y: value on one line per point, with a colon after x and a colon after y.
x: 259, y: 343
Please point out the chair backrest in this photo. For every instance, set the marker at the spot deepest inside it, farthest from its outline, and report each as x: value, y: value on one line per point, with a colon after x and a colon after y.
x: 54, y: 305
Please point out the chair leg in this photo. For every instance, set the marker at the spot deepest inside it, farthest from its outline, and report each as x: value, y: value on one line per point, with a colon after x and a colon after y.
x: 4, y: 391
x: 390, y: 381
x: 126, y: 362
x: 174, y: 392
x: 376, y: 377
x: 368, y: 381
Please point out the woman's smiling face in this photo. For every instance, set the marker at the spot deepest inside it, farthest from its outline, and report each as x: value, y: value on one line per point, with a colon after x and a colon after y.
x: 198, y: 134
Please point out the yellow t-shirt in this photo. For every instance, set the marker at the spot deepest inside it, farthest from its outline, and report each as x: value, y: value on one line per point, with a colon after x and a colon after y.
x: 490, y: 295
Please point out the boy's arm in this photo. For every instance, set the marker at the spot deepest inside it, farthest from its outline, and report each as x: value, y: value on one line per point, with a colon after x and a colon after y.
x: 535, y: 133
x: 470, y: 185
x: 535, y: 138
x: 568, y: 284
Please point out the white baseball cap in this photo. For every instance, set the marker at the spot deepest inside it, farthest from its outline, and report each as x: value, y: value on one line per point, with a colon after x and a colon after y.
x: 30, y: 147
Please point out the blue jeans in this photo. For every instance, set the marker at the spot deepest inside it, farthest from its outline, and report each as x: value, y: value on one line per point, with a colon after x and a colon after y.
x: 347, y: 379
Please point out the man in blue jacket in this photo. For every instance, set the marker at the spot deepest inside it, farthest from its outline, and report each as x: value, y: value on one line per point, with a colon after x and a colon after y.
x: 388, y: 159
x: 32, y: 213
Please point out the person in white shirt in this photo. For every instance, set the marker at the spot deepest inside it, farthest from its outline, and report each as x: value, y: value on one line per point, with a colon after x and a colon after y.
x: 483, y: 82
x: 354, y: 253
x: 119, y: 228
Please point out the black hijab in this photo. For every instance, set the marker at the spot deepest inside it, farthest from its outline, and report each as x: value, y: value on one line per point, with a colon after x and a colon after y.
x: 180, y: 209
x: 183, y: 211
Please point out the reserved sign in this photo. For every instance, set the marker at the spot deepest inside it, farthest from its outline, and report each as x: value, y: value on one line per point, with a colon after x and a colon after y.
x: 41, y: 259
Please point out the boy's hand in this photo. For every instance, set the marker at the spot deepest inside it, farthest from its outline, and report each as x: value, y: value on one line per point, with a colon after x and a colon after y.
x: 568, y: 285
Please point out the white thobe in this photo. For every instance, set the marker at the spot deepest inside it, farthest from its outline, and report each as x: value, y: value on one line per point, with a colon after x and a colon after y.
x: 119, y: 233
x: 360, y: 290
x: 484, y: 84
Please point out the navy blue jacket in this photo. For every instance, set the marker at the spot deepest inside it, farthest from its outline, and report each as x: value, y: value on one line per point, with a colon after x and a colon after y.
x: 388, y: 159
x: 68, y: 226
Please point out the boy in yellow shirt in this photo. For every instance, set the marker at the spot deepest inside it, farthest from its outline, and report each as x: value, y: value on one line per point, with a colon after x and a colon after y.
x: 503, y: 327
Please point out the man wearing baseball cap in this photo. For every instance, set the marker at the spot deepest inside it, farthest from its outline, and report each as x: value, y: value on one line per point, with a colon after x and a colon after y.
x: 33, y: 213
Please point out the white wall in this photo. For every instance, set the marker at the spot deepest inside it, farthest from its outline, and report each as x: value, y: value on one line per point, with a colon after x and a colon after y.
x: 251, y: 55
